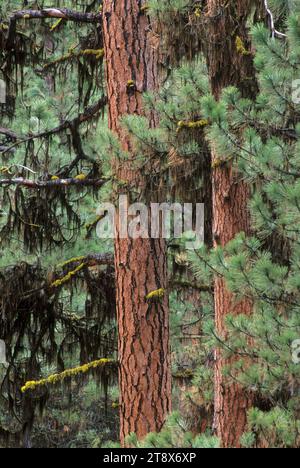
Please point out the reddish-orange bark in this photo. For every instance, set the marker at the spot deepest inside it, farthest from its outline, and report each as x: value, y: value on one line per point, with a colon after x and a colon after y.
x: 229, y: 66
x: 141, y: 265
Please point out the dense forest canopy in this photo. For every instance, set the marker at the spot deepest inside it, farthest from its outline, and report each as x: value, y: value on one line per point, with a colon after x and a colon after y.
x: 109, y: 341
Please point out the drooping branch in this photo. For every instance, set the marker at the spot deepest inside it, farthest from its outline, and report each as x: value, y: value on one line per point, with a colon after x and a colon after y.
x: 89, y: 260
x: 88, y: 114
x: 96, y: 53
x: 59, y: 13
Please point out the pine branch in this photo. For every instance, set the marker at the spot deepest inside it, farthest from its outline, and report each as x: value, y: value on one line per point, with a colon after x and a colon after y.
x: 89, y: 113
x: 59, y: 13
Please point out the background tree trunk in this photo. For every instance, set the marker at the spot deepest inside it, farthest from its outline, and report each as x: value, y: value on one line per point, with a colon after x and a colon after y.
x: 228, y: 66
x: 141, y: 265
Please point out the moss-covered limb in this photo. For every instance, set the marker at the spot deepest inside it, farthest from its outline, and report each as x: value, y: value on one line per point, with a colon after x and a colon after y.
x: 89, y: 260
x: 63, y: 13
x: 78, y: 264
x: 71, y: 261
x: 181, y: 284
x: 68, y: 277
x: 96, y: 53
x: 67, y: 374
x: 56, y: 182
x: 59, y: 13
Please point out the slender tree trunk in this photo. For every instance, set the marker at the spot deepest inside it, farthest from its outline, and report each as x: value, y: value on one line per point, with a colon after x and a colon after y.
x: 229, y: 65
x: 141, y: 264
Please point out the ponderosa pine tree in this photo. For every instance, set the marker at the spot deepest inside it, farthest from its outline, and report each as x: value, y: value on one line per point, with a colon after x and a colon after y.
x: 132, y: 58
x: 260, y: 139
x: 237, y: 69
x: 231, y: 64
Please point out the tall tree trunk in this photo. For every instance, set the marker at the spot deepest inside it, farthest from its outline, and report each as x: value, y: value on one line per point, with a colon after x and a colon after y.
x: 229, y: 65
x: 141, y: 264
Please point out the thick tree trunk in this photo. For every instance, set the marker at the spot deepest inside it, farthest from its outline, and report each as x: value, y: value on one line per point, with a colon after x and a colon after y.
x: 229, y: 65
x: 141, y: 265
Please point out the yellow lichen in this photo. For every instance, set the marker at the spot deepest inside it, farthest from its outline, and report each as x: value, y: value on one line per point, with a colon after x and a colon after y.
x: 68, y: 277
x: 56, y: 24
x: 93, y: 223
x: 80, y: 177
x: 218, y: 162
x: 98, y: 53
x: 190, y: 124
x: 69, y: 373
x: 5, y: 170
x: 198, y: 12
x: 240, y: 47
x: 71, y: 260
x: 156, y: 295
x: 185, y: 374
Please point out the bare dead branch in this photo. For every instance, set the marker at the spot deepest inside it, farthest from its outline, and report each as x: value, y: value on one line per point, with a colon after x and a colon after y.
x: 8, y: 133
x: 272, y: 22
x: 63, y: 13
x: 60, y: 183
